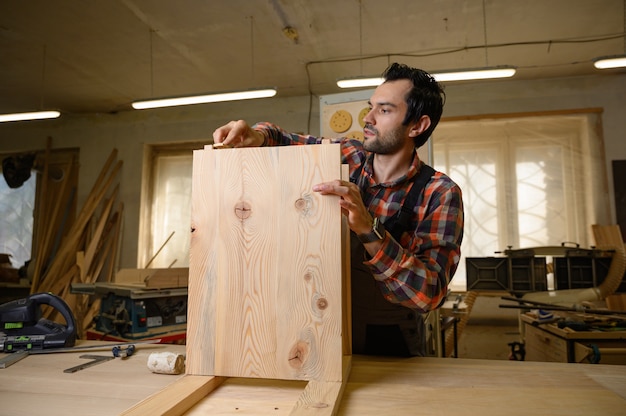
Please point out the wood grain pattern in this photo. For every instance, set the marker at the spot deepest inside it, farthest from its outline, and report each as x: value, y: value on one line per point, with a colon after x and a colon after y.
x: 322, y: 398
x: 201, y: 316
x: 265, y: 281
x: 346, y: 281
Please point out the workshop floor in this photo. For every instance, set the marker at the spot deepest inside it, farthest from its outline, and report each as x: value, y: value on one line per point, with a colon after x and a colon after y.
x: 489, y: 330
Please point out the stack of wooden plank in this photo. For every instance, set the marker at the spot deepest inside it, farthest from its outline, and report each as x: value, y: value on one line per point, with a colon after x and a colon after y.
x: 87, y: 246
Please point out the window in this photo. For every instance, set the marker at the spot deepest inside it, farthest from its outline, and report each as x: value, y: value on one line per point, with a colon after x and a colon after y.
x: 36, y: 212
x: 526, y: 181
x: 168, y: 207
x: 16, y: 220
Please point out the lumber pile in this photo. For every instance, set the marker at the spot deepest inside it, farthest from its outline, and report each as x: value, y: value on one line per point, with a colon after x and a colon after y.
x: 86, y: 250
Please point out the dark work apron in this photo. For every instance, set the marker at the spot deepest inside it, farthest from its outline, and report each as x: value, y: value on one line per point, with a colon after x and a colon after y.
x: 380, y: 327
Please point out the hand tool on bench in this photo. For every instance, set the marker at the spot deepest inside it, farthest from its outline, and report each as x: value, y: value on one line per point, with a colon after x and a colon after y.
x: 116, y: 351
x: 95, y: 359
x: 123, y: 353
x: 12, y: 358
x: 106, y: 346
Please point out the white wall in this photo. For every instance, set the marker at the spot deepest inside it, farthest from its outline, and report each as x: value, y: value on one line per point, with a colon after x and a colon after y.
x: 98, y: 134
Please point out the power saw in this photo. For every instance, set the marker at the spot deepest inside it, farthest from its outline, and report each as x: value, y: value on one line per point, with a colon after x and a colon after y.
x: 22, y: 327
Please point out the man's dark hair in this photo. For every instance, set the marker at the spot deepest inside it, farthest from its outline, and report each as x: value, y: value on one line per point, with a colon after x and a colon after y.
x: 425, y: 98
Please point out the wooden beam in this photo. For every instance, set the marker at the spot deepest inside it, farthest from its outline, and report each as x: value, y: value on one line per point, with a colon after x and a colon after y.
x: 177, y: 398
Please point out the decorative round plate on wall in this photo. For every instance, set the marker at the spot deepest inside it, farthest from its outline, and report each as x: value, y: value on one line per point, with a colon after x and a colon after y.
x: 340, y: 121
x: 362, y: 115
x: 355, y: 134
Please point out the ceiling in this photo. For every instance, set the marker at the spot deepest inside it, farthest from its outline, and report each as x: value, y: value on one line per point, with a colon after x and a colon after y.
x: 90, y: 56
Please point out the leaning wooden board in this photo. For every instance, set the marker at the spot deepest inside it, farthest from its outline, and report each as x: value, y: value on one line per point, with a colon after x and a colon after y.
x: 265, y: 284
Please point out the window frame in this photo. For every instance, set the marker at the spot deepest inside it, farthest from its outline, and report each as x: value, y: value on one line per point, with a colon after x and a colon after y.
x: 587, y: 168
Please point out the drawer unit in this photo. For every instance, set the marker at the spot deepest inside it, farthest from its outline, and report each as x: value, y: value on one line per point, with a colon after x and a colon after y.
x: 541, y: 345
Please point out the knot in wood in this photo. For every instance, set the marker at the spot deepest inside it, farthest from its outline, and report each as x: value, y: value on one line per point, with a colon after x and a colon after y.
x: 243, y: 210
x: 322, y: 303
x: 298, y: 354
x: 301, y: 203
x: 304, y: 204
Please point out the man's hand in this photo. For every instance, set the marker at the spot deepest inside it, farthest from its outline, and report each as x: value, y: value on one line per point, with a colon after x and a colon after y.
x: 359, y: 219
x: 238, y: 134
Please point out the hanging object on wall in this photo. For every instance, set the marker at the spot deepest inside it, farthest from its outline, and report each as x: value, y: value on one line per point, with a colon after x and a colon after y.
x: 340, y: 121
x: 17, y: 169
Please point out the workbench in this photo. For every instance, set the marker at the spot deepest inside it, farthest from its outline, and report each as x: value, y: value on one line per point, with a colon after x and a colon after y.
x: 377, y: 386
x: 548, y: 342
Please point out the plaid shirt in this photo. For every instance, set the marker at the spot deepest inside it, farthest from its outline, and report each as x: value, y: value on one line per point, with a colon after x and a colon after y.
x: 415, y: 271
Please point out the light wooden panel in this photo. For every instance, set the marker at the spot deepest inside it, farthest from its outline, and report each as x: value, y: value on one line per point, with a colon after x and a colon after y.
x: 177, y: 397
x: 265, y: 279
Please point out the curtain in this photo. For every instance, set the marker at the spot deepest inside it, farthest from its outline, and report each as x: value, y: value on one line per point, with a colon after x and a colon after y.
x: 527, y: 181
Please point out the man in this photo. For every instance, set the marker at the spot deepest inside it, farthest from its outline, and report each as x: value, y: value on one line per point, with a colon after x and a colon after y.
x: 406, y: 219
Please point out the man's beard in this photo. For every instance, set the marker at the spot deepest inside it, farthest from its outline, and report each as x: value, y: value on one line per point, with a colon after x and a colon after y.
x: 386, y: 144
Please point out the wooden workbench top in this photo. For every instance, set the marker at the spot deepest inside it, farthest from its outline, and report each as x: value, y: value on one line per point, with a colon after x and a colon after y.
x: 38, y: 385
x: 428, y: 386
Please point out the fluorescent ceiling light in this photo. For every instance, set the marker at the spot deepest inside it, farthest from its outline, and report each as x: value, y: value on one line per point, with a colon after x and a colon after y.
x: 36, y: 115
x: 462, y: 75
x: 472, y: 74
x: 202, y: 99
x: 610, y: 62
x: 360, y: 82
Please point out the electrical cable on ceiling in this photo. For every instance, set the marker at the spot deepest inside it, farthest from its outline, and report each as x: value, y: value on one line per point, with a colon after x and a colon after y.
x: 151, y: 62
x: 485, y: 34
x: 252, y: 48
x: 43, y: 78
x: 361, y: 34
x: 472, y: 47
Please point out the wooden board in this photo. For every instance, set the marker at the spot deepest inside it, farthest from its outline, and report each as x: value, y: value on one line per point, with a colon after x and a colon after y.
x: 154, y: 278
x: 177, y: 397
x: 265, y: 278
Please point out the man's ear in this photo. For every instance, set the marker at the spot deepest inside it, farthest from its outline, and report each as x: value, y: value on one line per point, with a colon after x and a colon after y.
x: 418, y: 128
